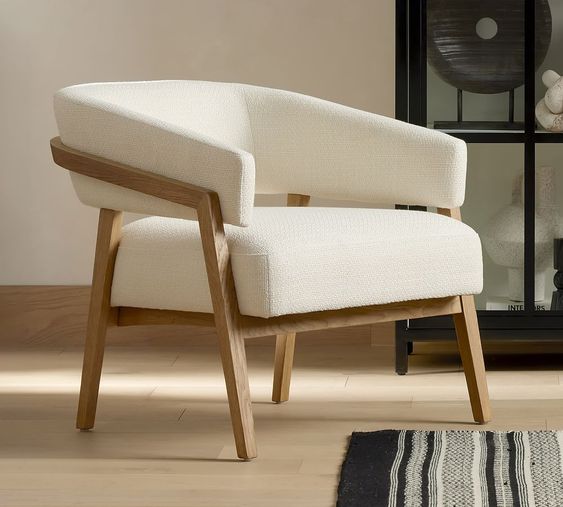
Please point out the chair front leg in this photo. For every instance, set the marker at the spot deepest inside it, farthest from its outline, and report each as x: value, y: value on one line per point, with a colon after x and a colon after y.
x: 469, y: 342
x: 109, y: 231
x: 233, y: 358
x: 225, y: 309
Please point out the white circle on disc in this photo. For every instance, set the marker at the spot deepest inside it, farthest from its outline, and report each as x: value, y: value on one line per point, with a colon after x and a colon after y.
x: 486, y: 28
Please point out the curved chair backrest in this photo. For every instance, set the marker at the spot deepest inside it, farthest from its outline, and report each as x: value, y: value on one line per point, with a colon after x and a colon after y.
x: 239, y: 140
x: 305, y: 145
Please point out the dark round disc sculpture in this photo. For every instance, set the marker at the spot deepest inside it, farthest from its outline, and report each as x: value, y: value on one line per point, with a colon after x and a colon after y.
x: 478, y: 45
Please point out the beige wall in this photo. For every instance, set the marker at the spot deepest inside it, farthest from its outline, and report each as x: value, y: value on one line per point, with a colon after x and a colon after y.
x: 341, y: 50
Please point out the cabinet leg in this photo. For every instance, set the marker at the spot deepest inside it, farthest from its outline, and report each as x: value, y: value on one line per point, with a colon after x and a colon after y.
x: 401, y: 355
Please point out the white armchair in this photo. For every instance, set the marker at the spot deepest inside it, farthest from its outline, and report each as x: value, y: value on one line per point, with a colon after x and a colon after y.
x: 169, y: 148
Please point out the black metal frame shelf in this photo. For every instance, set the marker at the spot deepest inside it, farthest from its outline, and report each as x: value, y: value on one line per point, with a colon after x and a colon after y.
x: 508, y: 136
x: 548, y: 137
x: 494, y: 137
x: 410, y: 97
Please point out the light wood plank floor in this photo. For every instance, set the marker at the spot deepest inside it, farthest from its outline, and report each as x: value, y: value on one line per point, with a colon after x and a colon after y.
x: 163, y: 435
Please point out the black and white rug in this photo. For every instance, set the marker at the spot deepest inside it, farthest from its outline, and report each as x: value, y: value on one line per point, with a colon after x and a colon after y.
x: 453, y: 468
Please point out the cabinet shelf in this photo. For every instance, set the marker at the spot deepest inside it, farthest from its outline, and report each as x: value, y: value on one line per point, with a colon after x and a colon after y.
x: 504, y: 136
x: 488, y: 136
x: 541, y: 136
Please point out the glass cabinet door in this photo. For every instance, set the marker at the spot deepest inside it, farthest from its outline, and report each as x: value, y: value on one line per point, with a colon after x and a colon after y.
x: 548, y: 217
x: 549, y: 227
x: 548, y: 70
x: 467, y: 68
x: 494, y: 207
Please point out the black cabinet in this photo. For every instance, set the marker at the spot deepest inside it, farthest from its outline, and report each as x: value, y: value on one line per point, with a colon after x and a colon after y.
x: 473, y: 69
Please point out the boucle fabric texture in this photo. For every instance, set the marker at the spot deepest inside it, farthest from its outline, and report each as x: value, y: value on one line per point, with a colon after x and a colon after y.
x: 239, y: 140
x: 298, y: 260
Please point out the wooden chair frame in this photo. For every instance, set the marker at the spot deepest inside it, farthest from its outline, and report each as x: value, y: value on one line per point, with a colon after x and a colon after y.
x: 232, y: 327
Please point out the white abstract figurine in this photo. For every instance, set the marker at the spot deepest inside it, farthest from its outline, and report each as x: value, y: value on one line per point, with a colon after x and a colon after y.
x: 549, y: 110
x: 503, y: 237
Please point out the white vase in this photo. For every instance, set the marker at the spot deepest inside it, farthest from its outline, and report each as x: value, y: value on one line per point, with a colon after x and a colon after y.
x: 503, y: 237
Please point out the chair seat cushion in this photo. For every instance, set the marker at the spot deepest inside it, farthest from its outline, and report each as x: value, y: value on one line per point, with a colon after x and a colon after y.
x: 298, y: 260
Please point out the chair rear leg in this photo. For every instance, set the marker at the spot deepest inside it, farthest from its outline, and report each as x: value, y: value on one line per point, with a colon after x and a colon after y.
x: 109, y: 230
x: 469, y: 342
x: 233, y: 358
x: 285, y: 343
x: 283, y: 362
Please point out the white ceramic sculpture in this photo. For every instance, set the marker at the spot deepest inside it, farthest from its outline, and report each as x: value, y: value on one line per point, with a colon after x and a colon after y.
x: 549, y: 110
x: 503, y: 237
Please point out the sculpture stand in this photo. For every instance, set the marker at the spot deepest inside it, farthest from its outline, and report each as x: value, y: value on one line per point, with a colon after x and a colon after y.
x: 557, y: 297
x: 460, y: 124
x: 516, y: 285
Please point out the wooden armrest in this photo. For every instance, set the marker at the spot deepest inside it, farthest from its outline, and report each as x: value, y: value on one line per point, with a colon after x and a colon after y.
x: 126, y: 176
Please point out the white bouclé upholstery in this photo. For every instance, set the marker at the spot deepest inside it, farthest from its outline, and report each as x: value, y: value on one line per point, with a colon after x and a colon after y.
x: 239, y: 140
x: 309, y: 146
x: 296, y: 260
x: 187, y: 130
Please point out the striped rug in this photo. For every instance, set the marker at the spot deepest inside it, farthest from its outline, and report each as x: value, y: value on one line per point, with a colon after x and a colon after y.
x: 453, y: 468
